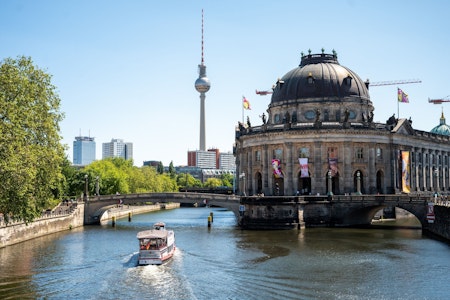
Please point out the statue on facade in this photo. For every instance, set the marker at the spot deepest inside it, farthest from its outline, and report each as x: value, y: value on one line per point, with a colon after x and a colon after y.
x: 287, y: 117
x: 263, y: 118
x: 317, y: 115
x: 371, y: 117
x: 392, y: 120
x: 346, y: 115
x: 249, y: 125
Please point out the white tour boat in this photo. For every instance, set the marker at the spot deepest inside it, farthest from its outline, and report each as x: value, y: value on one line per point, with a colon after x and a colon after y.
x: 156, y: 245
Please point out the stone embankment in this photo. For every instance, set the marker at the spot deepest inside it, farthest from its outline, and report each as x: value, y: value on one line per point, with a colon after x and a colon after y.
x: 122, y: 211
x: 65, y: 217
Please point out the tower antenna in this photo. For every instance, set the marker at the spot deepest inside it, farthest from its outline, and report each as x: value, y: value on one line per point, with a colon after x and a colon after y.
x: 202, y: 85
x: 202, y: 39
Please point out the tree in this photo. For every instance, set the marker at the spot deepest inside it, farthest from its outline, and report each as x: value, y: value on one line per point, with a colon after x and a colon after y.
x: 172, y: 171
x: 160, y: 168
x: 227, y: 179
x: 212, y: 182
x: 31, y: 154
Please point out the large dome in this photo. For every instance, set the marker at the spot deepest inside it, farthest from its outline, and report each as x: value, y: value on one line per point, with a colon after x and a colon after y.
x: 319, y: 76
x: 442, y: 128
x: 320, y: 83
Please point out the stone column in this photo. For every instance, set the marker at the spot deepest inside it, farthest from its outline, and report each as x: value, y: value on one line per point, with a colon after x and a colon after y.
x: 267, y: 165
x: 249, y: 175
x: 371, y: 181
x: 288, y: 176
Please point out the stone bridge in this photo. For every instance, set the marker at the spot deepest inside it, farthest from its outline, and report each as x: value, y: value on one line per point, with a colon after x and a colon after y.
x: 276, y: 211
x: 97, y: 205
x: 331, y: 211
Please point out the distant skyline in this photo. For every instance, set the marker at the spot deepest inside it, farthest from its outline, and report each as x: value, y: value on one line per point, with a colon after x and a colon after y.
x: 126, y: 69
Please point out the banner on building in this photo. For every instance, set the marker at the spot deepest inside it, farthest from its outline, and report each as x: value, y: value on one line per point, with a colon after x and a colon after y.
x: 333, y: 166
x: 276, y: 165
x: 406, y: 178
x: 304, y: 172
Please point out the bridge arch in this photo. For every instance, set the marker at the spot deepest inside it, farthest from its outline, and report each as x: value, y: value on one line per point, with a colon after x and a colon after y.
x: 363, y: 215
x: 97, y: 205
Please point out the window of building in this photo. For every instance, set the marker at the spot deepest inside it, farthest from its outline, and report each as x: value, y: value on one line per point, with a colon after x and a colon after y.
x: 359, y: 154
x: 257, y: 155
x: 310, y: 79
x: 332, y: 152
x: 348, y: 80
x: 303, y: 152
x: 379, y: 153
x: 278, y: 154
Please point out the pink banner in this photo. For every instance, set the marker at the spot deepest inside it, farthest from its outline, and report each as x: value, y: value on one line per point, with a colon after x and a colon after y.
x: 304, y: 172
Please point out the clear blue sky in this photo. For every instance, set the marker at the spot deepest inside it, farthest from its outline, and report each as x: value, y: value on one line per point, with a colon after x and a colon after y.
x: 126, y: 69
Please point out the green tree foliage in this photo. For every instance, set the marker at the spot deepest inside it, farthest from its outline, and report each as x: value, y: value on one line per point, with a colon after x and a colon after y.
x: 212, y: 183
x: 31, y: 154
x: 187, y: 180
x: 160, y: 168
x: 227, y: 180
x: 172, y: 172
x: 119, y: 175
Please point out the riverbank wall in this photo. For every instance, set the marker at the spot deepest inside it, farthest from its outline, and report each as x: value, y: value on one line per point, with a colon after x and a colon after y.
x: 125, y: 210
x: 441, y: 225
x: 60, y: 219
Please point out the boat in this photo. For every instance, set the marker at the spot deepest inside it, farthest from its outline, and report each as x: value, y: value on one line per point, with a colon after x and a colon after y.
x: 156, y: 245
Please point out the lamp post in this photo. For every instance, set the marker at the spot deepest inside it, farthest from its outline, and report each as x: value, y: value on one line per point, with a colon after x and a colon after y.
x: 85, y: 188
x: 330, y: 186
x: 358, y: 183
x: 242, y: 176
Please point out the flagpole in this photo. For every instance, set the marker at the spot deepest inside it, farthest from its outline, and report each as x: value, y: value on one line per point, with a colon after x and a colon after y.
x: 242, y: 105
x: 398, y: 105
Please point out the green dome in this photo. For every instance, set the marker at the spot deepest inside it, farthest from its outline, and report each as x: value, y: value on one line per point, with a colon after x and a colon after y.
x: 442, y: 128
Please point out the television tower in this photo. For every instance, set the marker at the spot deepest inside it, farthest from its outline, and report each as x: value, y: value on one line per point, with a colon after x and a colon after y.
x: 202, y: 85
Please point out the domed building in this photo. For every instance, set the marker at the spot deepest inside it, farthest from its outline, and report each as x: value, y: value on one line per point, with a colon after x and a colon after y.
x: 442, y: 128
x: 319, y: 137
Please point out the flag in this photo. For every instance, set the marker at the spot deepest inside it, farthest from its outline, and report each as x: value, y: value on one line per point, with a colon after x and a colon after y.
x: 402, y: 97
x: 245, y: 103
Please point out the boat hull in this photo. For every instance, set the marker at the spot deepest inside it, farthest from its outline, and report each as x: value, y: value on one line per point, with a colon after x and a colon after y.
x: 155, y: 257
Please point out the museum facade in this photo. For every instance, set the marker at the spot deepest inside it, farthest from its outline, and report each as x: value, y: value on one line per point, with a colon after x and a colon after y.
x: 319, y: 137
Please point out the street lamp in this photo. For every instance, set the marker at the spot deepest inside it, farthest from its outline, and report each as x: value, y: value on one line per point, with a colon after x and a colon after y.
x: 85, y: 188
x: 242, y: 176
x: 330, y: 187
x: 358, y: 183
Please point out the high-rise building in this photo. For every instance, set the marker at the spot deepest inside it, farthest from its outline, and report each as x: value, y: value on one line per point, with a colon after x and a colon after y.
x: 117, y: 148
x: 83, y: 150
x: 202, y: 159
x: 227, y: 161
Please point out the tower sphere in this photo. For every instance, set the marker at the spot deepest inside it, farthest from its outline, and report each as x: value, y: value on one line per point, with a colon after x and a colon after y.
x: 202, y: 85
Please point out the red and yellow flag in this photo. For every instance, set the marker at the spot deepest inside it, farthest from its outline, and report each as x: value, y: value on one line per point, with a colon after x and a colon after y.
x: 245, y: 103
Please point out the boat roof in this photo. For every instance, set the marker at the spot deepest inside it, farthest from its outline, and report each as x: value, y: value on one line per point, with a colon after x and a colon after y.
x: 152, y: 234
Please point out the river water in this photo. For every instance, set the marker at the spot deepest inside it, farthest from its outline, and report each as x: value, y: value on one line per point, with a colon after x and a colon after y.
x: 224, y: 262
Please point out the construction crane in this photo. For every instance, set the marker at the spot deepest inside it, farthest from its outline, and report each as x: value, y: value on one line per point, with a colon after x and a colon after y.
x: 263, y: 93
x: 379, y: 83
x: 439, y: 101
